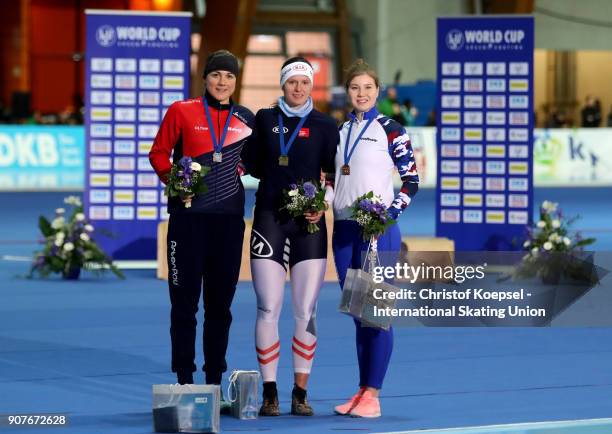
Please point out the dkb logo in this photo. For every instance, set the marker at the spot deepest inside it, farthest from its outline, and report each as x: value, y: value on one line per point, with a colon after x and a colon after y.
x: 454, y: 39
x: 105, y: 35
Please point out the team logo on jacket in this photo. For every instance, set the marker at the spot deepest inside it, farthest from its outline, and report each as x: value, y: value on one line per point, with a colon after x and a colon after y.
x: 304, y: 133
x: 260, y: 247
x: 275, y: 130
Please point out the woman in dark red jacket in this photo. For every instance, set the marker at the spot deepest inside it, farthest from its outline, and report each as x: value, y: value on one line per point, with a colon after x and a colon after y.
x: 205, y: 240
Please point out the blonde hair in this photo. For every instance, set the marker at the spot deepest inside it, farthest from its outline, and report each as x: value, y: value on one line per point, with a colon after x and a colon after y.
x: 360, y: 67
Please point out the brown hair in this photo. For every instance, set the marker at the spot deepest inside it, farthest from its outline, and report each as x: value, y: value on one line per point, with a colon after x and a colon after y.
x: 360, y: 67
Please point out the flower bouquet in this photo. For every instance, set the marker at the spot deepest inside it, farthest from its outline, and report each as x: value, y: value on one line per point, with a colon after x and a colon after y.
x: 371, y: 214
x: 68, y: 245
x: 304, y: 197
x: 186, y: 179
x: 552, y: 250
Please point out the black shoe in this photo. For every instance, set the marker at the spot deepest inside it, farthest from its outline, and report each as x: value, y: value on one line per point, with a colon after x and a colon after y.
x: 184, y: 377
x: 299, y: 403
x: 270, y: 405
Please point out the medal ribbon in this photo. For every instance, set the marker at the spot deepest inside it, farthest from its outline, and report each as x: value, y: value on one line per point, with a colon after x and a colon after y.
x: 347, y: 154
x: 218, y: 146
x: 284, y: 149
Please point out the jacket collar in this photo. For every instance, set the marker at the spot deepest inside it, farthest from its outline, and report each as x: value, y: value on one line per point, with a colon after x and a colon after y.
x: 370, y: 114
x: 215, y: 103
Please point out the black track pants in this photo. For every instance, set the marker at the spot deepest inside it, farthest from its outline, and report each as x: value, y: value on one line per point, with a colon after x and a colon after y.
x: 202, y: 248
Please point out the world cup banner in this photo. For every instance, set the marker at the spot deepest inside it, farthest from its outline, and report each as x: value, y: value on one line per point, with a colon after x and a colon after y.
x: 137, y: 64
x: 485, y: 131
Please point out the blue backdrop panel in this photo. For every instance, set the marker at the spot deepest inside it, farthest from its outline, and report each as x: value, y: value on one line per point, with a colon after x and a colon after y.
x: 137, y: 65
x: 485, y: 131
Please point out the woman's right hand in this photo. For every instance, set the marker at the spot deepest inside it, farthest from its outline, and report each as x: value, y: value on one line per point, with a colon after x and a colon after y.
x: 187, y: 199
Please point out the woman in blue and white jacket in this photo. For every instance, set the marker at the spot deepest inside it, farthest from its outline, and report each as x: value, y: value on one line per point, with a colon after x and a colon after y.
x: 371, y: 148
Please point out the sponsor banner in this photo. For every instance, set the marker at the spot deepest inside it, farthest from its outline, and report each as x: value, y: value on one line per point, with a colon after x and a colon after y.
x: 42, y: 157
x: 562, y: 157
x: 573, y: 157
x: 137, y: 64
x: 487, y: 63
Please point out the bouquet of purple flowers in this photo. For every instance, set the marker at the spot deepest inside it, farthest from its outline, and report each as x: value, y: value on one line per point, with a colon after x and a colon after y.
x: 186, y: 178
x: 304, y: 197
x: 371, y: 214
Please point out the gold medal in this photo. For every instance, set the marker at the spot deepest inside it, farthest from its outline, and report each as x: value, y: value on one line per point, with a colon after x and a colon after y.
x: 283, y: 160
x: 346, y: 169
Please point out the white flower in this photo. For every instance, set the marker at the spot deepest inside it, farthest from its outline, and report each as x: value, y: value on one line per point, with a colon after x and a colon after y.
x: 73, y: 200
x: 566, y: 241
x: 195, y: 166
x: 89, y: 228
x: 60, y: 235
x: 68, y: 247
x: 554, y: 237
x: 79, y: 217
x: 57, y: 223
x: 59, y: 242
x: 534, y: 251
x: 549, y: 206
x: 376, y: 199
x: 84, y: 237
x: 60, y: 211
x: 556, y: 223
x: 293, y: 192
x: 541, y: 224
x: 526, y: 243
x: 547, y: 245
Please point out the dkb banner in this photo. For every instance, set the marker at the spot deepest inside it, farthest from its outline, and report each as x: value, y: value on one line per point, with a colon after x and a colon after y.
x: 485, y: 131
x: 137, y: 65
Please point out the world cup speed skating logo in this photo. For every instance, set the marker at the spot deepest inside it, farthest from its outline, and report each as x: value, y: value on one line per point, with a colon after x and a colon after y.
x: 454, y: 39
x: 105, y: 35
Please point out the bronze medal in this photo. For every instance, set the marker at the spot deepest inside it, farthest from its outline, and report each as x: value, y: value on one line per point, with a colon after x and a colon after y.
x: 346, y: 169
x: 283, y: 160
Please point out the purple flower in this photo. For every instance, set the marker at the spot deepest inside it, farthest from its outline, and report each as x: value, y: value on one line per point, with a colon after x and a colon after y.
x: 185, y: 162
x: 309, y: 190
x: 293, y: 186
x: 378, y: 208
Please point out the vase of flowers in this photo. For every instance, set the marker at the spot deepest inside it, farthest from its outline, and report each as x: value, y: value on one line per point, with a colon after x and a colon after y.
x: 68, y: 245
x: 553, y: 250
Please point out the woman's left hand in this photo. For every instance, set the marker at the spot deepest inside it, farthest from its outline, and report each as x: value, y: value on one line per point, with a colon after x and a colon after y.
x: 313, y: 216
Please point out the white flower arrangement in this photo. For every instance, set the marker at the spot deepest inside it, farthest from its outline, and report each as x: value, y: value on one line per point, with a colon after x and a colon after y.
x: 68, y: 244
x: 550, y: 244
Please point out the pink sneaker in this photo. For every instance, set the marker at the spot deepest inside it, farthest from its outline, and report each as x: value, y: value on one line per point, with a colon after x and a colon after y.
x: 368, y: 406
x: 350, y: 404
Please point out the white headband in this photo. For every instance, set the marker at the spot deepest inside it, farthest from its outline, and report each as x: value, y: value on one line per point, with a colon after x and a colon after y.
x: 296, y: 68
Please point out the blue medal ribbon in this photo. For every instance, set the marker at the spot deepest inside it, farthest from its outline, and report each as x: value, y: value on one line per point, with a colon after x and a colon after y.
x: 348, y: 154
x: 217, y: 145
x: 284, y: 149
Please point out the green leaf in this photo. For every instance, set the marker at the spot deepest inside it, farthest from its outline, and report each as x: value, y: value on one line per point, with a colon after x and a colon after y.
x: 585, y: 242
x: 45, y: 226
x: 117, y: 271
